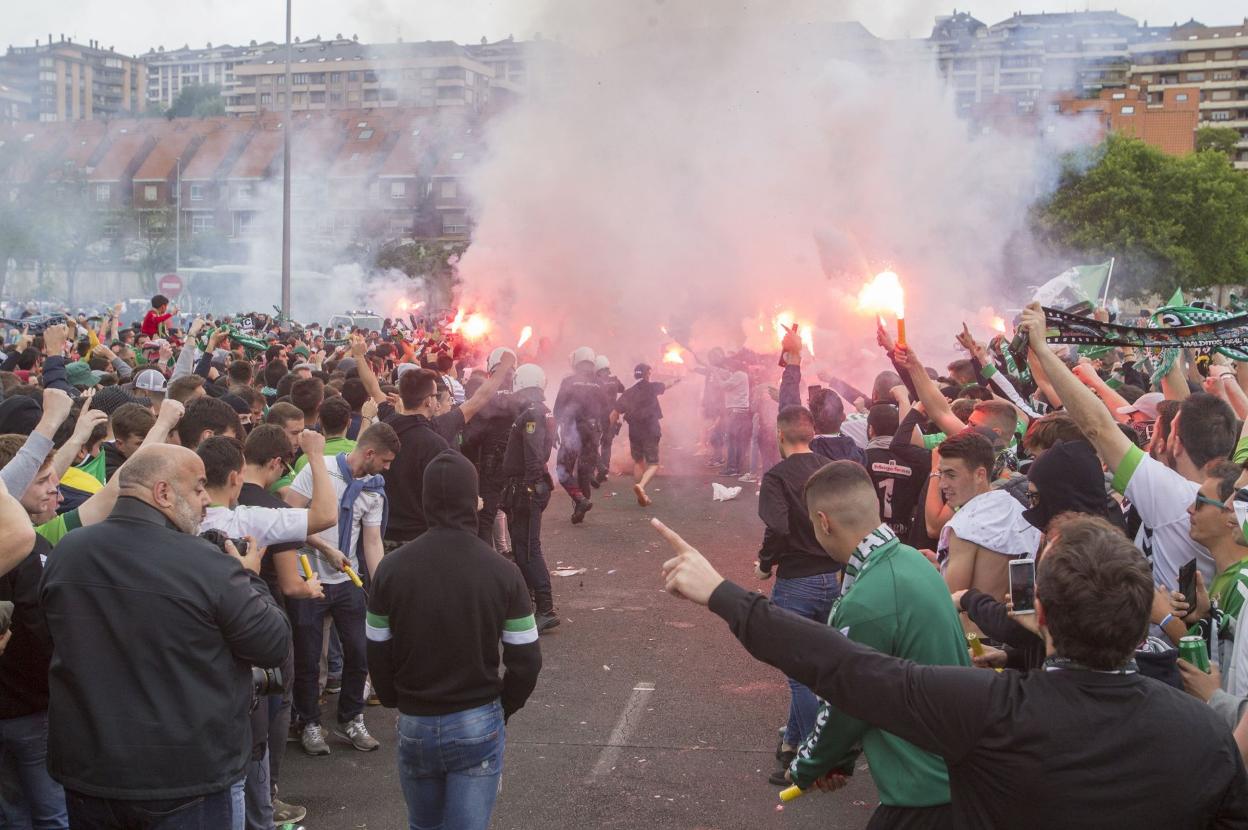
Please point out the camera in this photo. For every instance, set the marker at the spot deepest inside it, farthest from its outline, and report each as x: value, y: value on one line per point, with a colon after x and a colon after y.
x: 266, y: 681
x: 219, y: 539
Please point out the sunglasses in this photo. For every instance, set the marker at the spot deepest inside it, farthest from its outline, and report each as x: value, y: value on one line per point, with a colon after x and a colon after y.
x: 1033, y: 498
x: 1206, y: 500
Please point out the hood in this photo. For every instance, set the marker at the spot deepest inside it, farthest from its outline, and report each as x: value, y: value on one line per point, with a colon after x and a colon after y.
x: 1068, y: 478
x: 450, y: 492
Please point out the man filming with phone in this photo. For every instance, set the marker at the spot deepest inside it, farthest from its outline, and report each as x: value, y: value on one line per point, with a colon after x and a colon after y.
x: 1061, y: 747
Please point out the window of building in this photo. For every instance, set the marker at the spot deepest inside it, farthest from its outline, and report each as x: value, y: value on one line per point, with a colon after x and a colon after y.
x: 318, y: 97
x: 1195, y: 76
x: 428, y: 72
x: 1222, y: 55
x: 1195, y: 57
x: 197, y: 193
x: 103, y: 192
x: 374, y: 190
x: 281, y: 98
x: 1220, y: 95
x: 1182, y: 96
x: 335, y: 97
x: 398, y: 190
x: 318, y: 77
x: 449, y: 190
x: 1220, y: 115
x: 353, y: 76
x: 244, y: 223
x: 335, y: 77
x: 280, y: 80
x: 365, y: 135
x: 370, y: 77
x: 370, y: 95
x: 301, y: 78
x: 149, y: 193
x: 266, y: 98
x: 1223, y: 76
x: 454, y: 224
x: 1120, y: 96
x: 201, y: 223
x: 457, y: 156
x: 243, y: 192
x: 1127, y: 111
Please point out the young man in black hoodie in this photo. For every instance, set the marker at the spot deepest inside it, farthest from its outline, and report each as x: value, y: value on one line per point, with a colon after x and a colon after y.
x: 806, y: 577
x: 439, y: 608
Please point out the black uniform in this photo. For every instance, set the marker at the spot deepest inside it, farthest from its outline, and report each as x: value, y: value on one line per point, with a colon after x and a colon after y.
x: 579, y: 409
x: 898, y: 470
x: 527, y: 493
x: 485, y: 442
x: 640, y: 407
x: 611, y: 389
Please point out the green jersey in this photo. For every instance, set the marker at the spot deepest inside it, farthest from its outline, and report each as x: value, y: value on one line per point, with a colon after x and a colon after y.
x: 896, y: 603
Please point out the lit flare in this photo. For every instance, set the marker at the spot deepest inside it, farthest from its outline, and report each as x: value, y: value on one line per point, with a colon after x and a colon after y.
x: 672, y: 355
x: 883, y: 293
x: 525, y: 334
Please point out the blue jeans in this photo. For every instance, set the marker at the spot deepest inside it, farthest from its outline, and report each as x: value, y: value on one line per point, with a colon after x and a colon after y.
x: 28, y: 795
x: 346, y: 604
x: 450, y: 767
x: 215, y: 811
x: 810, y: 597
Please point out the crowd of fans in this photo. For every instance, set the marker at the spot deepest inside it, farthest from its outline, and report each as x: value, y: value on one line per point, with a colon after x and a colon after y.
x: 217, y: 531
x: 1017, y: 592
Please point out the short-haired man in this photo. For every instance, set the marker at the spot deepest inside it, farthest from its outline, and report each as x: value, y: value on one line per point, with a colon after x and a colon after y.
x: 290, y: 418
x: 206, y: 417
x: 806, y: 579
x: 1160, y: 490
x: 893, y: 602
x: 129, y: 424
x: 639, y: 406
x: 988, y: 529
x: 136, y: 686
x: 418, y: 393
x: 356, y: 536
x: 308, y: 394
x: 1069, y: 737
x: 186, y: 388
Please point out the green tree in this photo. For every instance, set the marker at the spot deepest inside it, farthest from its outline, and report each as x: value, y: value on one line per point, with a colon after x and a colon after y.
x: 65, y: 226
x: 197, y: 101
x: 1170, y: 221
x: 1221, y: 139
x: 155, y: 242
x: 15, y: 238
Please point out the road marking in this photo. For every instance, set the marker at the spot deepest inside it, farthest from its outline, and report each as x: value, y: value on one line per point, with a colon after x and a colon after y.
x: 629, y: 718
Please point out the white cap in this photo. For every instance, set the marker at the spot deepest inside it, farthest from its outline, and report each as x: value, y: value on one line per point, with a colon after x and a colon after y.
x: 582, y: 355
x: 601, y: 362
x: 530, y: 376
x: 150, y: 380
x: 1146, y: 403
x: 496, y: 357
x: 403, y: 368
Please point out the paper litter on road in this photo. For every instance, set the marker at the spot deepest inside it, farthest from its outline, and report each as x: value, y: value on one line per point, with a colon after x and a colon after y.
x: 606, y: 668
x: 721, y: 493
x: 610, y: 571
x: 569, y: 571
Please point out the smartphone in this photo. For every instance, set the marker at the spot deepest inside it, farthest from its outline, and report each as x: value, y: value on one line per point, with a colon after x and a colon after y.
x: 1187, y: 582
x: 1023, y: 586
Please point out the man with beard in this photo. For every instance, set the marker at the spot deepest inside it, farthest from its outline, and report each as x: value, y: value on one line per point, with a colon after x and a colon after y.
x: 134, y: 688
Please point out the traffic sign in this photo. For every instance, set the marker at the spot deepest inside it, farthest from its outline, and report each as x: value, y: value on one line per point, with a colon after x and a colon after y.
x: 170, y: 285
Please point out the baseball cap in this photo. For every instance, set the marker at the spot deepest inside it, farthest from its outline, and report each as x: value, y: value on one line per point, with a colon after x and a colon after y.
x: 79, y: 373
x: 404, y: 367
x: 150, y: 380
x: 1146, y: 404
x: 310, y: 367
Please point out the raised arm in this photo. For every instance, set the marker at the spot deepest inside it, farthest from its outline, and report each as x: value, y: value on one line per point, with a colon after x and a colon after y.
x: 489, y: 389
x: 1084, y: 407
x: 933, y: 401
x: 19, y: 534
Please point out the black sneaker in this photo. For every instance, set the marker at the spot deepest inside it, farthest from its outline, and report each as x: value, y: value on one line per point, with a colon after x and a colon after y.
x: 333, y: 685
x: 582, y: 507
x: 777, y: 778
x: 547, y: 621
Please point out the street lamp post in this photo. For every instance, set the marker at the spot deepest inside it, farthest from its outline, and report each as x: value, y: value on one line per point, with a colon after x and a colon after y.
x: 286, y: 128
x: 177, y: 221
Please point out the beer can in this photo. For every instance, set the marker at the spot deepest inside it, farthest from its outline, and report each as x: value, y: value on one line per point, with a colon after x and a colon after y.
x: 1192, y: 649
x: 977, y: 648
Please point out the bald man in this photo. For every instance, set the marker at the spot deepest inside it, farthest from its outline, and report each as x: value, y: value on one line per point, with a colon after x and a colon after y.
x: 156, y: 631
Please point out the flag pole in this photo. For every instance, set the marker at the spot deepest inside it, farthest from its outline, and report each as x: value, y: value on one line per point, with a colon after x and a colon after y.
x: 1108, y: 277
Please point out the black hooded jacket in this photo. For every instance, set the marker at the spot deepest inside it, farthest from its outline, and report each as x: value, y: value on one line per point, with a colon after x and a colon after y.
x: 441, y: 605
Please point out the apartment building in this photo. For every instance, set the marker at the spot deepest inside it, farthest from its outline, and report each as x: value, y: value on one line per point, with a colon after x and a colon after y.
x: 67, y: 81
x: 1029, y: 59
x: 1213, y: 60
x: 169, y: 72
x: 337, y: 76
x: 1167, y: 120
x: 13, y: 104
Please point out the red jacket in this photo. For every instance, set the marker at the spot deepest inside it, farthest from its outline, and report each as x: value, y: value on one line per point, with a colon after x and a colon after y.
x: 153, y: 321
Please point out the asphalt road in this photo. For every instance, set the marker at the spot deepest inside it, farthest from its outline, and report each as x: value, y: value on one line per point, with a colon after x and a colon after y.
x: 648, y: 714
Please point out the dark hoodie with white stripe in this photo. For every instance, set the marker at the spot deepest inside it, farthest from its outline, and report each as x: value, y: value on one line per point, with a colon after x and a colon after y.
x: 441, y: 606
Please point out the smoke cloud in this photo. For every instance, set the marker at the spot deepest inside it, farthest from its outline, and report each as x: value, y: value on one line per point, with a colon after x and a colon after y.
x: 705, y: 166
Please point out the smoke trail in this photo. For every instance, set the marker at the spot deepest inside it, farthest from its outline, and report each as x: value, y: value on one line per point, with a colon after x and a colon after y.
x: 705, y: 166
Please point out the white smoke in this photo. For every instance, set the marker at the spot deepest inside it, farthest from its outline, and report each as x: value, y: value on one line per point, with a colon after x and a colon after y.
x: 705, y: 165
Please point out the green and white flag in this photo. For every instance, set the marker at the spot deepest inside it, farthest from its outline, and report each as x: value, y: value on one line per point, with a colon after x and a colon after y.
x: 1079, y: 283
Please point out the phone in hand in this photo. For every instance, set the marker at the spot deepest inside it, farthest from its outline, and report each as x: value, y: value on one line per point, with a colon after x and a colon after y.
x: 1023, y: 586
x: 1187, y: 583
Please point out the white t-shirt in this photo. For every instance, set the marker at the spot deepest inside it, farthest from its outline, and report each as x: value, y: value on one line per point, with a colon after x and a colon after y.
x: 994, y: 521
x: 737, y: 391
x: 367, y: 513
x: 267, y: 525
x: 1161, y: 497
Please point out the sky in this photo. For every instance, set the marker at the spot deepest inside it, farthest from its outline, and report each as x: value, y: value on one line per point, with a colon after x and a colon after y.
x: 134, y: 26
